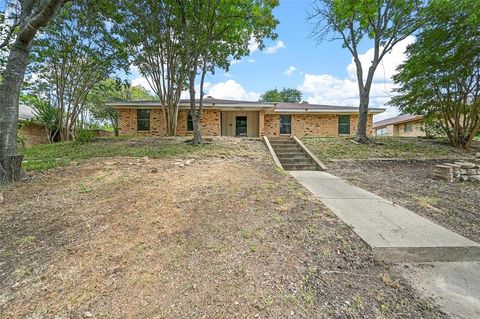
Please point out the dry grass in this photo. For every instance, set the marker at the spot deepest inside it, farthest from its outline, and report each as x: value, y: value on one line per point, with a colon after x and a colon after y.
x: 225, y: 236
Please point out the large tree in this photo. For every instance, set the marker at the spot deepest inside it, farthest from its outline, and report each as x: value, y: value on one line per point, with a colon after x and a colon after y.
x: 384, y: 22
x: 287, y: 95
x: 77, y: 51
x: 215, y: 31
x: 151, y: 34
x: 29, y: 17
x: 441, y: 76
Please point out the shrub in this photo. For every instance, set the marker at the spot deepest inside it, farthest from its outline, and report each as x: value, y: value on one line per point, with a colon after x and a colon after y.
x: 84, y: 136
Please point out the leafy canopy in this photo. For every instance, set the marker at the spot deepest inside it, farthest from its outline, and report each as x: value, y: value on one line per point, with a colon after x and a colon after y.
x: 286, y: 95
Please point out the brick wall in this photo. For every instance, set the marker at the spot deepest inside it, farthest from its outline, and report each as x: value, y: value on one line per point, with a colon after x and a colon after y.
x: 313, y: 124
x: 33, y: 133
x: 127, y: 123
x: 416, y: 129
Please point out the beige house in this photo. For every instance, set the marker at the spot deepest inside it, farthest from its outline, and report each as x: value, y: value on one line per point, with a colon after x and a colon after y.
x: 244, y: 118
x: 406, y: 125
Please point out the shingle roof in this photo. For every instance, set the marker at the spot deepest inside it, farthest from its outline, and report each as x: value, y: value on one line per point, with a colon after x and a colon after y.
x: 278, y: 107
x: 397, y: 120
x: 308, y: 106
x: 25, y: 112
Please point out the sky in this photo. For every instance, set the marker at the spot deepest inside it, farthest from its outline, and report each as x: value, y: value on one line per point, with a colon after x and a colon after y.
x: 324, y: 72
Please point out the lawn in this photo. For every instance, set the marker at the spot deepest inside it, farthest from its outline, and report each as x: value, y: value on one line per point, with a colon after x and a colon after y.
x: 225, y: 236
x: 46, y: 156
x: 338, y: 148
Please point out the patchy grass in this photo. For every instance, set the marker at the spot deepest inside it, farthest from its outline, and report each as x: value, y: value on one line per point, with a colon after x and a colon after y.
x: 47, y: 156
x: 338, y: 148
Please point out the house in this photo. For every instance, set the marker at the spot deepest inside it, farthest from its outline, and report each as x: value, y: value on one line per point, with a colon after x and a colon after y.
x: 403, y: 125
x: 30, y: 131
x: 244, y: 118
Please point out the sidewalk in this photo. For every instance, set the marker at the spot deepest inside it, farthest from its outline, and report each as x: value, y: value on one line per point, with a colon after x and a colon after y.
x: 393, y: 232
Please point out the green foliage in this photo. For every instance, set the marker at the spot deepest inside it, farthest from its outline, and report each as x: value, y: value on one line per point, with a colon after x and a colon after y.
x: 286, y: 95
x: 84, y: 136
x: 77, y: 51
x: 441, y: 77
x: 113, y: 90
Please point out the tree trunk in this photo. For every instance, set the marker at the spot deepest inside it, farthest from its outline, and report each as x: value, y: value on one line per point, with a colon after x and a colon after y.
x: 362, y: 136
x: 9, y: 93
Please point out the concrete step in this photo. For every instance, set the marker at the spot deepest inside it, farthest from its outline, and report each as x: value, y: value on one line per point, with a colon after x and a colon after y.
x: 282, y: 156
x: 290, y: 149
x: 296, y: 161
x: 281, y: 142
x: 294, y: 167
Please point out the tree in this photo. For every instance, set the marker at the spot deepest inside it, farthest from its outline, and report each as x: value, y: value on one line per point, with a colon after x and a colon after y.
x: 74, y: 54
x: 151, y: 34
x: 441, y: 76
x: 286, y: 95
x: 113, y: 90
x: 30, y: 16
x: 214, y: 31
x: 385, y: 22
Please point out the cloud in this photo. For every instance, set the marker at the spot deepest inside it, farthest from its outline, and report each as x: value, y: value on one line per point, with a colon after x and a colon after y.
x: 291, y: 69
x: 252, y: 45
x: 142, y: 81
x: 274, y: 48
x: 327, y: 89
x: 251, y: 60
x: 233, y: 91
x: 233, y: 62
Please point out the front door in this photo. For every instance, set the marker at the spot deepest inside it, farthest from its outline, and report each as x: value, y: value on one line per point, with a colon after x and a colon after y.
x: 241, y: 126
x: 285, y: 124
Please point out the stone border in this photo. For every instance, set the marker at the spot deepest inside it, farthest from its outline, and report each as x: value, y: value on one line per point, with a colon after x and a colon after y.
x: 313, y: 157
x: 272, y: 152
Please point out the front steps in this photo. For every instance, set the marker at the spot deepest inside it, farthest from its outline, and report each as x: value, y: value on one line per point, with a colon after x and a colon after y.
x: 291, y: 155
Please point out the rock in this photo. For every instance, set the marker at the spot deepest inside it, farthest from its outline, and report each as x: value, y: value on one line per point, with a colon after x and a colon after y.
x: 1, y: 198
x: 87, y: 314
x: 181, y: 165
x: 465, y: 164
x: 474, y: 178
x: 477, y: 155
x: 189, y: 161
x: 463, y: 178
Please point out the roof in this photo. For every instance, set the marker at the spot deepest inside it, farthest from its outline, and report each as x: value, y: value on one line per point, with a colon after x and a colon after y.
x: 25, y: 112
x: 319, y: 108
x: 251, y: 105
x: 397, y: 120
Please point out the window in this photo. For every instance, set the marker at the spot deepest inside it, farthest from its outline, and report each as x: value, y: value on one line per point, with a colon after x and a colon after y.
x: 344, y: 124
x: 285, y: 124
x: 143, y: 120
x: 189, y: 123
x: 408, y: 127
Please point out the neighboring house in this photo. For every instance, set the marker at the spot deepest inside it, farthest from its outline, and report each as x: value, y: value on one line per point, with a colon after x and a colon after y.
x: 30, y: 131
x: 242, y: 118
x: 402, y: 125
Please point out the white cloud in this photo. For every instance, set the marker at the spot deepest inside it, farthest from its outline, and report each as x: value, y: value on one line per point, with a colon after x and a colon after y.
x: 274, y: 48
x: 252, y: 45
x: 290, y: 70
x: 233, y: 62
x: 142, y: 81
x: 233, y: 91
x: 251, y: 61
x: 327, y: 89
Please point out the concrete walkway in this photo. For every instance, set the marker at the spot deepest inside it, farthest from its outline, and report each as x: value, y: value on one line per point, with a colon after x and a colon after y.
x: 393, y: 232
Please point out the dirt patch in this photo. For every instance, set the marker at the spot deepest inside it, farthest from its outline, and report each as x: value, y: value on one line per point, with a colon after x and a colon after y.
x: 162, y: 238
x: 410, y: 184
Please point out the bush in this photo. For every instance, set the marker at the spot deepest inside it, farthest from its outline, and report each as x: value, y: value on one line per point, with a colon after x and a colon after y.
x: 84, y: 136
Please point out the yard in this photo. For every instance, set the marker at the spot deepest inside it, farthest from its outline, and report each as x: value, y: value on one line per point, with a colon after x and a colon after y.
x: 401, y: 170
x: 213, y: 231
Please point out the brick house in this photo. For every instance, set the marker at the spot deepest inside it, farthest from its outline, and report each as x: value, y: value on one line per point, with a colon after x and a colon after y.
x: 30, y: 131
x: 244, y: 118
x: 406, y: 125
